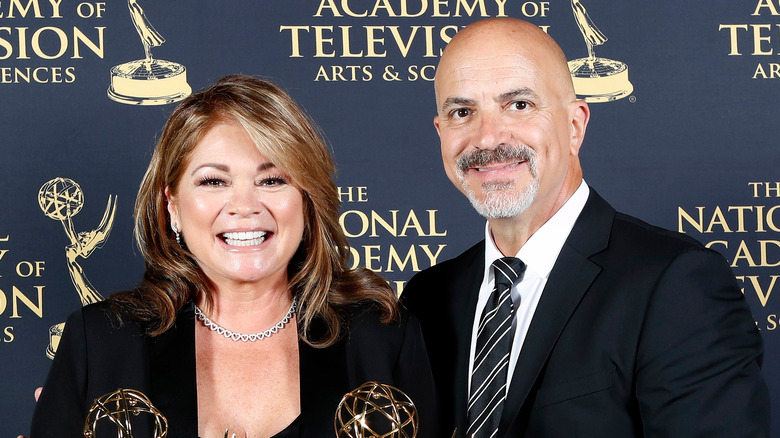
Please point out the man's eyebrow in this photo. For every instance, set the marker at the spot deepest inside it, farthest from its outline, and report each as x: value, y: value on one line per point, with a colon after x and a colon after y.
x: 456, y: 101
x: 523, y: 92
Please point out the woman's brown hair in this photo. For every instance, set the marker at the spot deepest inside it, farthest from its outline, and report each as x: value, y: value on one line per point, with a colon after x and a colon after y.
x: 319, y: 274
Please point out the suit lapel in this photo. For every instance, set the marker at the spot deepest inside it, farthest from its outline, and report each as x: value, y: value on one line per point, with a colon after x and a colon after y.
x: 569, y: 280
x: 172, y: 374
x: 467, y: 279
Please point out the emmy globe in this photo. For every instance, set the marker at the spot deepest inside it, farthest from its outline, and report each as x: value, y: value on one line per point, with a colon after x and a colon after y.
x: 376, y: 410
x: 118, y: 408
x: 61, y: 199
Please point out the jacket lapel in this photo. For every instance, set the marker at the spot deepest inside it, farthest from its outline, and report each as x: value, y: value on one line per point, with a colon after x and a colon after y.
x: 323, y: 374
x: 173, y: 386
x: 569, y: 280
x: 172, y: 374
x: 467, y: 280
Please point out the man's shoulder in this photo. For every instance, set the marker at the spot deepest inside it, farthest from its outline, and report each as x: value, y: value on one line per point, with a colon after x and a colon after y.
x: 634, y: 243
x: 629, y: 230
x: 444, y: 278
x: 599, y: 224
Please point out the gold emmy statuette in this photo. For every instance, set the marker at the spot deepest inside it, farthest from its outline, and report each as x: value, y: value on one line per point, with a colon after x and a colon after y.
x: 61, y: 199
x: 376, y: 410
x: 55, y: 334
x: 596, y: 79
x: 118, y: 408
x: 148, y: 81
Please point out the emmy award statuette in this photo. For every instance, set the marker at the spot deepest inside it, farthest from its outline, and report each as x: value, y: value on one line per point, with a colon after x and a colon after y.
x: 118, y: 408
x: 148, y: 81
x: 61, y: 199
x: 596, y: 79
x: 55, y: 334
x: 376, y: 410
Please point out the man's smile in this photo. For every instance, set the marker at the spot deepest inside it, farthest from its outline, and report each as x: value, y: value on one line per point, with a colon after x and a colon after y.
x: 498, y: 166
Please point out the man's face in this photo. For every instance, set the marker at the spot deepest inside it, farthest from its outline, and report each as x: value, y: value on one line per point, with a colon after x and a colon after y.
x: 505, y: 128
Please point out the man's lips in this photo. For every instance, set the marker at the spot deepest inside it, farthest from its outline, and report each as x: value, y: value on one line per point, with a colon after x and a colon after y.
x: 497, y: 167
x: 244, y: 238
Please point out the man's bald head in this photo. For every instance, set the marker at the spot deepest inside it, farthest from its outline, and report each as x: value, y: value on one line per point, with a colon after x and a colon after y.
x: 508, y: 37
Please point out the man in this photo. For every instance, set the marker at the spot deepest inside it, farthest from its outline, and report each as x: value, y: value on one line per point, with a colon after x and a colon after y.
x: 611, y: 327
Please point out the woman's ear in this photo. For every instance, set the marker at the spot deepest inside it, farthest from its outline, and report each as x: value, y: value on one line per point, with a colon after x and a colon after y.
x: 172, y: 207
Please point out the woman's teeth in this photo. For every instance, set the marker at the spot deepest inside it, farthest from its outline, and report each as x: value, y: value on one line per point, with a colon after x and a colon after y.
x: 244, y: 238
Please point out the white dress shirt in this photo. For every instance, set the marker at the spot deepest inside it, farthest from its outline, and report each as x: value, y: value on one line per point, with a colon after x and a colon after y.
x: 539, y: 254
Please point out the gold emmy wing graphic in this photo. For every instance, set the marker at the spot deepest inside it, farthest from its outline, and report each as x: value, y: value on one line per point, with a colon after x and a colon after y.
x: 596, y: 79
x: 148, y: 81
x: 61, y: 199
x: 376, y: 410
x: 118, y: 408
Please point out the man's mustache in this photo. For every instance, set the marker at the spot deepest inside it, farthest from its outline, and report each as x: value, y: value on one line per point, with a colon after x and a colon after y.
x: 500, y: 154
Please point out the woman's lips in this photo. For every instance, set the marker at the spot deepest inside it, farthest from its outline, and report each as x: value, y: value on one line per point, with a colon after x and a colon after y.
x: 244, y: 238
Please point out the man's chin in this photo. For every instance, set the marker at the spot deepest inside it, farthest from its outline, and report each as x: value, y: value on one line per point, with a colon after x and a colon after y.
x: 499, y: 209
x: 501, y: 202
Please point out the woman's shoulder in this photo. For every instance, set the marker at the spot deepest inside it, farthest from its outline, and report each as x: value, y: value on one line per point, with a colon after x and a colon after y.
x: 103, y: 317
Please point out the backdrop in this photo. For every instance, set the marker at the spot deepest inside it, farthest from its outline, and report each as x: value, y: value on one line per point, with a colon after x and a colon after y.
x: 683, y: 134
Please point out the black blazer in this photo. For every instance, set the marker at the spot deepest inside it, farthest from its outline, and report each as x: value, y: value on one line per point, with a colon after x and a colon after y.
x: 96, y: 357
x: 640, y: 332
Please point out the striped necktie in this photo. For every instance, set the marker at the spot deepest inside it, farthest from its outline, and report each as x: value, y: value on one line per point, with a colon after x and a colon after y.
x: 491, y: 356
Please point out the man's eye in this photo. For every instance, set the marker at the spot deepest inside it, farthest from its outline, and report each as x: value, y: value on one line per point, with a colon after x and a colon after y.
x: 519, y: 105
x: 461, y: 112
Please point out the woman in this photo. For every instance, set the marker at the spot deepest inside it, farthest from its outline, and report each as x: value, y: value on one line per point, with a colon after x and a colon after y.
x: 237, y: 218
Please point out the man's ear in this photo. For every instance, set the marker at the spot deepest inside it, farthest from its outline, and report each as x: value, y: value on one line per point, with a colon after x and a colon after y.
x: 579, y: 114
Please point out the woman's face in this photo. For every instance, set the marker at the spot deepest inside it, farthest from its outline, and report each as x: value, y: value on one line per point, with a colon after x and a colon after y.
x: 239, y: 215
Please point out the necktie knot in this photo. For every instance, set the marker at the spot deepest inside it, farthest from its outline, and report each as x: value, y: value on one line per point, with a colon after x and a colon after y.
x: 507, y: 270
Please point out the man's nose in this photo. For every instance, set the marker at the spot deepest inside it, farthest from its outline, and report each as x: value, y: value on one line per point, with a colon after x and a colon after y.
x: 492, y: 131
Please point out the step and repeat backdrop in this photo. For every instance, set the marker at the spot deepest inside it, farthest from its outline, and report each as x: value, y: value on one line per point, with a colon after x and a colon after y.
x: 684, y: 134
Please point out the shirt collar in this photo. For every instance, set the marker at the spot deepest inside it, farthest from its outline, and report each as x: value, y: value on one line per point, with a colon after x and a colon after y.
x: 542, y: 248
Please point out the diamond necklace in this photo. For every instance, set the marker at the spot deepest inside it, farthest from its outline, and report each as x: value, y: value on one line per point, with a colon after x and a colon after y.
x: 259, y: 336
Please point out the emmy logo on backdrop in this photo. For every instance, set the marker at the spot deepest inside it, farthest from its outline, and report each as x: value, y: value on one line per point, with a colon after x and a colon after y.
x: 376, y: 410
x: 597, y: 79
x: 148, y: 81
x: 118, y: 408
x: 61, y: 199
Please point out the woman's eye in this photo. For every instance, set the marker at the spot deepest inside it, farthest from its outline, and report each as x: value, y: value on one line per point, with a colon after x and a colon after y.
x: 212, y: 182
x: 272, y: 182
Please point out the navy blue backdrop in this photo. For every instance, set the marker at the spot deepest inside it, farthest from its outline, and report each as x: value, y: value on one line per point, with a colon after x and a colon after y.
x: 694, y: 146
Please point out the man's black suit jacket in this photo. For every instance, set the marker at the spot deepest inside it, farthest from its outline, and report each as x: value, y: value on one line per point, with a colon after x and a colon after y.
x: 640, y: 332
x: 95, y: 357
